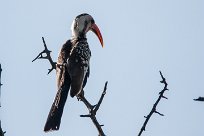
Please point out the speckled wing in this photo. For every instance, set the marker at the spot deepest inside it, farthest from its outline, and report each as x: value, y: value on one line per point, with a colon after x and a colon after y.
x: 63, y: 85
x: 78, y: 67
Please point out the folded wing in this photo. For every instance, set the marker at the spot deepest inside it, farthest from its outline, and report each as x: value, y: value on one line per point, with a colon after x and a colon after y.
x: 63, y: 85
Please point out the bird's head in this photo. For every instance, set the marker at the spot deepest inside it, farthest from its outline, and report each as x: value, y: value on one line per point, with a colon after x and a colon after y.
x: 82, y: 24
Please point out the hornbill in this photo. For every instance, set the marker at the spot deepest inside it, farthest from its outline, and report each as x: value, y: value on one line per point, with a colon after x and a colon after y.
x: 72, y: 68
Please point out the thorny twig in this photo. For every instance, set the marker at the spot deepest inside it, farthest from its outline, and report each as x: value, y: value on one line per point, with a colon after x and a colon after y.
x: 0, y: 83
x: 47, y: 56
x: 93, y: 109
x: 1, y: 131
x: 161, y: 95
x: 0, y: 78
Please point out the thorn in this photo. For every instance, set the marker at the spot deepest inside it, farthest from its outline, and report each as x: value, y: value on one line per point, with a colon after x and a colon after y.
x: 164, y: 97
x: 49, y: 71
x: 85, y: 115
x: 162, y: 81
x: 159, y: 113
x: 143, y: 128
x: 166, y: 89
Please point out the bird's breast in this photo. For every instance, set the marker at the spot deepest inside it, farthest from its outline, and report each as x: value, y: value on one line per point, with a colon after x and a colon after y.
x: 81, y: 54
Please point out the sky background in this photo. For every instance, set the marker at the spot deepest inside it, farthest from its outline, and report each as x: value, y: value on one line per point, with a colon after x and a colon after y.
x: 140, y: 37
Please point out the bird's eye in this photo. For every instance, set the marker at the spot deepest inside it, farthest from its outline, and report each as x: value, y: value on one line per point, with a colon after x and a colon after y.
x: 92, y: 21
x: 85, y: 24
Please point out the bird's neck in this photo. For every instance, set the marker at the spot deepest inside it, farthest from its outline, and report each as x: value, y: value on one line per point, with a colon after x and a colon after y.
x: 81, y: 38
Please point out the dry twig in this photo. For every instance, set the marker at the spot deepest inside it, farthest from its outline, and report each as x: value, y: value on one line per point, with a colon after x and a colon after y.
x: 1, y: 131
x: 154, y: 110
x: 0, y: 83
x: 0, y: 77
x: 93, y: 109
x: 47, y: 56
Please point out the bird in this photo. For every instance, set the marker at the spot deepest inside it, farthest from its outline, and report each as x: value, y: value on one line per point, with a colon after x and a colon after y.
x: 72, y: 68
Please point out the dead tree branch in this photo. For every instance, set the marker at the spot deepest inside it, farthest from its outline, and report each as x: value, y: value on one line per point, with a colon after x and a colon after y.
x: 47, y: 56
x: 0, y: 78
x: 0, y: 83
x: 154, y: 108
x: 199, y: 99
x: 1, y: 131
x: 93, y: 110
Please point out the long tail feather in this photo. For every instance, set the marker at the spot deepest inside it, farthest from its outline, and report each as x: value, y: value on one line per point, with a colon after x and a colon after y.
x: 55, y: 114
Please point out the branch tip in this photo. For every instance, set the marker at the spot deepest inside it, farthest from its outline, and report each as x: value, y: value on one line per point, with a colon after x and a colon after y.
x: 164, y: 97
x: 199, y: 99
x: 159, y: 113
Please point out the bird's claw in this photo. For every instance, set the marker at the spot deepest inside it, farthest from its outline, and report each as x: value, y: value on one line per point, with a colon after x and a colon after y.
x: 60, y: 65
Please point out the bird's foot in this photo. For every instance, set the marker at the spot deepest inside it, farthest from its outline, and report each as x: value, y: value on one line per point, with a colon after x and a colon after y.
x: 60, y: 65
x: 80, y: 96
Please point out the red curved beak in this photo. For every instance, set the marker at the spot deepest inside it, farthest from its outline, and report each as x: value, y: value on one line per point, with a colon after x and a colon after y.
x: 95, y: 29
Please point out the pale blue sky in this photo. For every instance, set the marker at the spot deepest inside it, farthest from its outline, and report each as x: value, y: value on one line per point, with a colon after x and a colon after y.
x: 141, y: 38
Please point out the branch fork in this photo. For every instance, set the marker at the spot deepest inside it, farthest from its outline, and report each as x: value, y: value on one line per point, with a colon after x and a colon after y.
x: 93, y: 110
x: 47, y: 56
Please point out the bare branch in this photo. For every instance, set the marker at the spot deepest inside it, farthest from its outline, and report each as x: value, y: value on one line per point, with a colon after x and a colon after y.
x: 93, y: 110
x: 102, y: 96
x: 0, y: 77
x: 199, y: 99
x: 1, y: 131
x: 0, y: 83
x: 47, y: 56
x: 161, y: 95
